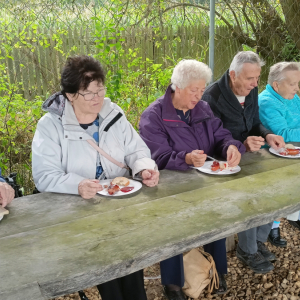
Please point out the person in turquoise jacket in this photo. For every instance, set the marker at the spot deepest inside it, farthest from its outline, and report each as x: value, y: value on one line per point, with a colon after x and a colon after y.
x: 279, y: 111
x: 279, y: 104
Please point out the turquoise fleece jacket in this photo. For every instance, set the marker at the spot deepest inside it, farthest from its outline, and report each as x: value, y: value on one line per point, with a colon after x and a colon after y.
x: 280, y: 115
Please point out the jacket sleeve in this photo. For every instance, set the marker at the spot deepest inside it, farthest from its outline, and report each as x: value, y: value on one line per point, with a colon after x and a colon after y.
x: 47, y: 171
x: 271, y: 114
x: 156, y: 137
x: 137, y: 154
x: 1, y: 178
x: 223, y: 138
x: 258, y: 128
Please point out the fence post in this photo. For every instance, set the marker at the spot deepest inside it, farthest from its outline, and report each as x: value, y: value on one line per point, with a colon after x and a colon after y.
x: 212, y: 36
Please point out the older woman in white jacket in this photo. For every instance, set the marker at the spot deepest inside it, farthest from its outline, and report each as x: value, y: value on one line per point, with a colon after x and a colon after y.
x: 64, y: 161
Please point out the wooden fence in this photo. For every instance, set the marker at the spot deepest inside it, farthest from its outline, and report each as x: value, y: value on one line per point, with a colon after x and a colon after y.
x: 39, y: 69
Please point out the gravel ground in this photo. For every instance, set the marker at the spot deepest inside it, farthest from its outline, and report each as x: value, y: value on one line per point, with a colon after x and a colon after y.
x: 282, y: 283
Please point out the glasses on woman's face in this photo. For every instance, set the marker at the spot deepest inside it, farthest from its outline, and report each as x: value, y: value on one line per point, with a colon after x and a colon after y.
x: 90, y: 96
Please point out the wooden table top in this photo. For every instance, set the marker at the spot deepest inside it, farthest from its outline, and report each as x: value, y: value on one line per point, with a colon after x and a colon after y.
x: 54, y: 244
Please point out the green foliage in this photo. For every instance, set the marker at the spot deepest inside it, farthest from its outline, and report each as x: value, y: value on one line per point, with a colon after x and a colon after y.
x: 290, y: 52
x: 18, y: 118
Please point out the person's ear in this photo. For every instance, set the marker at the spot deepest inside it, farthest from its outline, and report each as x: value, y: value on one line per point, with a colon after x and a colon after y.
x: 232, y: 76
x: 177, y: 90
x: 71, y: 97
x: 275, y: 86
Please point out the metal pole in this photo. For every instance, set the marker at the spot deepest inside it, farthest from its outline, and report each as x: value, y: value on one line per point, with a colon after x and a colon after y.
x: 212, y: 36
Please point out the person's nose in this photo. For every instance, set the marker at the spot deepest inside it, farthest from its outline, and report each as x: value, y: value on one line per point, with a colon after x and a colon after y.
x: 254, y: 83
x: 199, y: 95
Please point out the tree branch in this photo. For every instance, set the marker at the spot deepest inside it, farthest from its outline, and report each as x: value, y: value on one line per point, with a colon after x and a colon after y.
x: 240, y: 36
x: 234, y: 14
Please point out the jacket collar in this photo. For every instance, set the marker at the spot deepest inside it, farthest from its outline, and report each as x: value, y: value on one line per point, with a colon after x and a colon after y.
x: 170, y: 117
x: 276, y: 95
x: 229, y: 96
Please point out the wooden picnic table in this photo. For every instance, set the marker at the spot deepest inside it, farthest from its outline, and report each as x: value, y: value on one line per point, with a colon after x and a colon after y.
x: 54, y: 244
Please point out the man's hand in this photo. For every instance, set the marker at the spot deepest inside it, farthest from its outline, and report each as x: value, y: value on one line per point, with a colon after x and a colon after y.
x: 7, y: 194
x: 196, y: 158
x: 88, y: 188
x: 275, y: 141
x: 254, y: 143
x: 150, y: 177
x: 233, y: 156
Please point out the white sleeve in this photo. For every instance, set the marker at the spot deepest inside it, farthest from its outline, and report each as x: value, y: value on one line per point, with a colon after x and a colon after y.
x: 47, y: 170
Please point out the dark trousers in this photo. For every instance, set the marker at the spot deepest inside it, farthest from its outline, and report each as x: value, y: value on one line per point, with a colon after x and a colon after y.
x: 217, y: 250
x: 130, y: 287
x: 172, y: 271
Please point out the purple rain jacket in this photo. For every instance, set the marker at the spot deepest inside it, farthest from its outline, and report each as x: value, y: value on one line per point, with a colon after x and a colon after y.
x: 170, y: 139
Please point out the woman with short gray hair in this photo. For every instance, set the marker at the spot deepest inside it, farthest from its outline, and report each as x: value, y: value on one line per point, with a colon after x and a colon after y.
x: 279, y: 104
x: 181, y: 131
x: 279, y: 111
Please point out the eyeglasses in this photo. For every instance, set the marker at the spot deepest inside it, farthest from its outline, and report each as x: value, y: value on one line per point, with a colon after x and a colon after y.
x: 90, y: 96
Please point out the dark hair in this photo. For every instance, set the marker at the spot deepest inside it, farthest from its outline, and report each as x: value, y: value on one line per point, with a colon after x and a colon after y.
x: 79, y: 71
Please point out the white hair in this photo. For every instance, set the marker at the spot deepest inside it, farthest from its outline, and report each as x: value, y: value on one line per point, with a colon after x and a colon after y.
x: 188, y: 70
x: 242, y: 58
x: 278, y: 71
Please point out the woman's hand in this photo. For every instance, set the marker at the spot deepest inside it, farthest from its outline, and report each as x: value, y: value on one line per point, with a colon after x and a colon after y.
x: 7, y: 194
x: 150, y: 177
x: 253, y: 143
x: 88, y: 188
x: 196, y: 158
x: 233, y: 156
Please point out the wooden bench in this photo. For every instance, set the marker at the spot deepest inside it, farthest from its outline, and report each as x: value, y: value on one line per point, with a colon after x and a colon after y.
x: 55, y: 244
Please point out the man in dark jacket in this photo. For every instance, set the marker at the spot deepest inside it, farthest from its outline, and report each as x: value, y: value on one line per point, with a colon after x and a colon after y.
x: 234, y: 99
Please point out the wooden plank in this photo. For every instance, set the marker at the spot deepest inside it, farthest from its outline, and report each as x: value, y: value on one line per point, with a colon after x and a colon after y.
x: 88, y: 41
x: 43, y: 67
x: 31, y: 69
x: 80, y: 253
x: 76, y: 42
x: 54, y: 69
x: 81, y: 41
x: 70, y: 42
x: 10, y: 68
x: 29, y: 291
x: 66, y: 243
x: 17, y: 68
x: 25, y: 218
x: 230, y: 243
x: 60, y: 57
x: 178, y: 43
x: 38, y: 70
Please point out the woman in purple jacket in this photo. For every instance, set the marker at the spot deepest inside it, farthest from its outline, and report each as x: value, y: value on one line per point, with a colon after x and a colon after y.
x: 181, y: 131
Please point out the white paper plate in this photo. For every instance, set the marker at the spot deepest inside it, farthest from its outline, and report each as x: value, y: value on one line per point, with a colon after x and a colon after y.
x: 206, y: 168
x: 1, y: 217
x: 136, y: 184
x: 273, y: 151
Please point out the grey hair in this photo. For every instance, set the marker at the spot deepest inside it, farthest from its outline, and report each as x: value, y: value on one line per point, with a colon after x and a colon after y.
x: 242, y: 58
x: 188, y: 70
x: 277, y: 71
